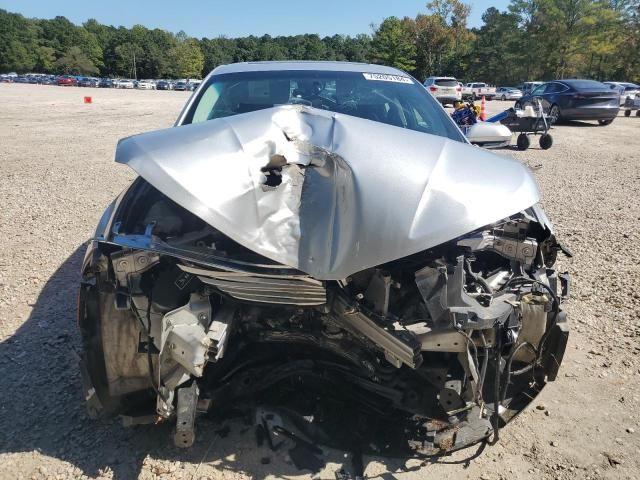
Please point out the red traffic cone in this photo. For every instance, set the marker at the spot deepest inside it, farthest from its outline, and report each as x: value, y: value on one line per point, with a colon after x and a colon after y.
x: 87, y: 99
x: 483, y: 111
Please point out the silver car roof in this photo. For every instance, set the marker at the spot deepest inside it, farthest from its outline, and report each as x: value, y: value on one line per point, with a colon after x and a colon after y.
x: 305, y: 65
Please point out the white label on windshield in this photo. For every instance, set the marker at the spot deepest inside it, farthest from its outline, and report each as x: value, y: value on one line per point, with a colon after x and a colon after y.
x: 385, y: 77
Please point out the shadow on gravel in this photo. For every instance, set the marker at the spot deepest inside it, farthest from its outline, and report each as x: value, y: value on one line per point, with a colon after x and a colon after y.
x: 42, y: 410
x: 577, y: 123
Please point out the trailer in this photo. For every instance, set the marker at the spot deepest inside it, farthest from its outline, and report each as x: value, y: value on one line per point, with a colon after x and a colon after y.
x: 530, y: 121
x: 632, y: 104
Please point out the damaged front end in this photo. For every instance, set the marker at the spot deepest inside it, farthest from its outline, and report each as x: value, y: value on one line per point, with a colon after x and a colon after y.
x: 274, y: 259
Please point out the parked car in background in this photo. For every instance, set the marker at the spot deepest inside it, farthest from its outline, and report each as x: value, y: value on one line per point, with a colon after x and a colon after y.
x: 181, y: 86
x: 146, y: 85
x: 125, y: 83
x: 528, y: 87
x: 626, y: 90
x: 67, y: 81
x: 163, y: 85
x: 88, y: 82
x: 575, y: 99
x: 194, y: 84
x: 477, y: 90
x: 444, y: 89
x: 105, y: 83
x: 48, y: 80
x: 508, y: 93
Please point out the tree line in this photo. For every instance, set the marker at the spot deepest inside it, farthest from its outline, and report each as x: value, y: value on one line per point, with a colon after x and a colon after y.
x: 530, y: 40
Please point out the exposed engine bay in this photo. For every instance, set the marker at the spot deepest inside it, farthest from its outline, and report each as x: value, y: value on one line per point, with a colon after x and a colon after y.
x: 457, y: 338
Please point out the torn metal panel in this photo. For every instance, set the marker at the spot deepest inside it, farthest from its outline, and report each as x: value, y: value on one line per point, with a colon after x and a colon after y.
x: 328, y: 215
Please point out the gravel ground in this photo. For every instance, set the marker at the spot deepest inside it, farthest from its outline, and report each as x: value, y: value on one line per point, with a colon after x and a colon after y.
x: 56, y: 176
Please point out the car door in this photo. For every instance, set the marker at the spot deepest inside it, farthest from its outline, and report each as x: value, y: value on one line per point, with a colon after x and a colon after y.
x: 539, y: 93
x: 558, y: 93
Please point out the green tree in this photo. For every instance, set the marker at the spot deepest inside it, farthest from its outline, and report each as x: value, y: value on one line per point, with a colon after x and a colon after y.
x: 357, y: 49
x: 532, y: 40
x: 497, y: 43
x: 393, y: 45
x: 217, y: 51
x: 129, y: 54
x: 45, y: 59
x: 187, y: 59
x: 18, y: 42
x: 75, y: 61
x: 442, y: 38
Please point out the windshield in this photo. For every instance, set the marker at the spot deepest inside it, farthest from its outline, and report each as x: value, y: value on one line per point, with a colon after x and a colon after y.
x: 447, y: 82
x: 391, y: 99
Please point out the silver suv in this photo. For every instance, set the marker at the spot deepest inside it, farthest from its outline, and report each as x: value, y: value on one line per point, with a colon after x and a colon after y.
x: 444, y: 89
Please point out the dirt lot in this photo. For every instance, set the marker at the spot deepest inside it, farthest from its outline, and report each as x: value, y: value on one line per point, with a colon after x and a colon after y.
x: 56, y: 176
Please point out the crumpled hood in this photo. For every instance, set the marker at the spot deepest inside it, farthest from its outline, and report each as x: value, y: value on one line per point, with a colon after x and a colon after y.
x: 354, y: 193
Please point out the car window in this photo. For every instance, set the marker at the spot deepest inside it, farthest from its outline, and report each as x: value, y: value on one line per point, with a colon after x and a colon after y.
x: 446, y: 82
x: 555, y: 88
x: 585, y: 84
x: 385, y: 99
x: 539, y: 90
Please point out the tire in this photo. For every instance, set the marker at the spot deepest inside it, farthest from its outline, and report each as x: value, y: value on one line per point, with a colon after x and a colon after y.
x: 604, y: 123
x: 546, y: 141
x: 638, y: 113
x: 503, y: 98
x: 523, y: 142
x: 627, y: 113
x: 554, y: 114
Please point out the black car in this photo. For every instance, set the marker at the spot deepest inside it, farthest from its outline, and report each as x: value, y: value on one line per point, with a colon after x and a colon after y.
x: 86, y: 82
x: 105, y: 83
x: 181, y: 86
x: 163, y: 85
x: 575, y: 100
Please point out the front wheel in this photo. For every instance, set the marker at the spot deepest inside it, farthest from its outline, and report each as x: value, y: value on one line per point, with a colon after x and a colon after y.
x: 546, y: 141
x: 627, y: 113
x: 554, y: 114
x: 523, y: 142
x: 503, y: 98
x: 605, y: 122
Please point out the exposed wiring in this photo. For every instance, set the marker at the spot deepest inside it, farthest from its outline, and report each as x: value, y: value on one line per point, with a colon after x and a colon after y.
x: 524, y: 280
x: 522, y: 371
x: 475, y: 360
x: 496, y: 387
x: 485, y: 363
x: 478, y: 278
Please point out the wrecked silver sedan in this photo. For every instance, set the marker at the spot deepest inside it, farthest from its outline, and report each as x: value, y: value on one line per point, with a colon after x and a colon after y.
x: 320, y: 239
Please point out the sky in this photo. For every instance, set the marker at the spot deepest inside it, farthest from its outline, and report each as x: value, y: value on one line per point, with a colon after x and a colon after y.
x: 234, y: 18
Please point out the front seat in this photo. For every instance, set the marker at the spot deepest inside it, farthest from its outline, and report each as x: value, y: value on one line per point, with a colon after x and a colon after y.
x: 394, y: 116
